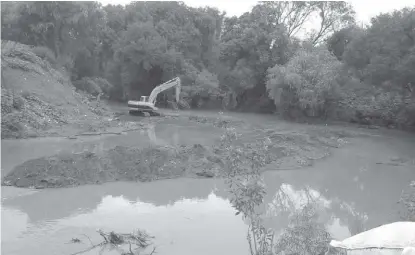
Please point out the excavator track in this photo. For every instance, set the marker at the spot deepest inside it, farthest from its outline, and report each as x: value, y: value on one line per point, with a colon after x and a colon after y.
x: 144, y: 113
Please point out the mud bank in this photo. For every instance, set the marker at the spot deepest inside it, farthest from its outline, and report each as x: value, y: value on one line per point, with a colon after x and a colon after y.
x: 286, y: 150
x: 118, y: 164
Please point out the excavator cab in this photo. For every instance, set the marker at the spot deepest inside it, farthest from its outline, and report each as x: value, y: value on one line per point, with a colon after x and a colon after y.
x: 143, y: 99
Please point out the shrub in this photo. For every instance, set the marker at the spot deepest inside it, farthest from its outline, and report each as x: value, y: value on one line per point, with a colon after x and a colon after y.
x: 19, y: 56
x: 45, y: 54
x: 64, y: 62
x: 373, y: 105
x: 11, y: 126
x: 305, y: 235
x: 408, y: 202
x: 18, y: 102
x: 199, y: 86
x: 94, y: 85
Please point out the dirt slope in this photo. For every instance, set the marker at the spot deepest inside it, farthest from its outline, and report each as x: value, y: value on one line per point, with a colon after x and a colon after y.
x: 36, y: 98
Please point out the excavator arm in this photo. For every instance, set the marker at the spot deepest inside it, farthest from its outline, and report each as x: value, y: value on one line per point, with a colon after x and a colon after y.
x: 165, y: 86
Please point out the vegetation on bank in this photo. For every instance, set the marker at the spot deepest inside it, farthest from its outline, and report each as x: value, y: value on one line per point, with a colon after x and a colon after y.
x: 255, y: 62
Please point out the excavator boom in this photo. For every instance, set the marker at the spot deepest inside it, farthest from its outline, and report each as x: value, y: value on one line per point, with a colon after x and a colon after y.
x: 165, y: 86
x: 147, y: 104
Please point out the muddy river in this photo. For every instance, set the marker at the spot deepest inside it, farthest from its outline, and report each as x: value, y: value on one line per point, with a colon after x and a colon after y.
x: 358, y: 187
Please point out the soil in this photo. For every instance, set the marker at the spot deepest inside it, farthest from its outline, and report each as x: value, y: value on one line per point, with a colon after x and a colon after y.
x: 38, y: 100
x: 121, y: 163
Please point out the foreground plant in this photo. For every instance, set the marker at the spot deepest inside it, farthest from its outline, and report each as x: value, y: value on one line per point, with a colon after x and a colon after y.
x: 248, y: 189
x: 408, y: 202
x: 304, y: 235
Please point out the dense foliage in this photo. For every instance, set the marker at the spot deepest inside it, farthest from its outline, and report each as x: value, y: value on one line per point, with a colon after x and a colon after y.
x: 254, y: 62
x: 307, y: 83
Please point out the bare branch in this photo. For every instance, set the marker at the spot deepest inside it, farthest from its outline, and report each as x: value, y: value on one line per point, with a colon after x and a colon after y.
x: 88, y: 239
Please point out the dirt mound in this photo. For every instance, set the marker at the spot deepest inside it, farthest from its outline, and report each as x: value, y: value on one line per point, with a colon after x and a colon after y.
x: 300, y: 149
x: 219, y: 122
x: 36, y: 97
x: 119, y: 163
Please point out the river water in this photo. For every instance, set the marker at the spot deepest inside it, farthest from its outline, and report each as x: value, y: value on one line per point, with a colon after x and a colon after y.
x: 357, y: 187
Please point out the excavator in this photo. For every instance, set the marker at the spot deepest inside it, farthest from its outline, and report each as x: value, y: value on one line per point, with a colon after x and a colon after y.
x: 146, y: 104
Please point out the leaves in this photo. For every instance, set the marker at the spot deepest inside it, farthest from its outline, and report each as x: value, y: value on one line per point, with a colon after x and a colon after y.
x: 307, y: 82
x: 384, y: 51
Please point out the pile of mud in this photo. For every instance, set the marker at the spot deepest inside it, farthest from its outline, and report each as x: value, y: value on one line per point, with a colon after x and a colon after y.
x: 301, y: 149
x: 219, y: 122
x: 119, y: 163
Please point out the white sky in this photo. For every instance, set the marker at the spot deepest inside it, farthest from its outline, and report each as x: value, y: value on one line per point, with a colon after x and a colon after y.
x: 365, y: 9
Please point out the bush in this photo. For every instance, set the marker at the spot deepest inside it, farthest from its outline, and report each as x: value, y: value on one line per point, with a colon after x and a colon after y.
x: 199, y: 87
x: 19, y: 56
x: 373, y: 105
x: 45, y: 54
x: 11, y: 126
x: 18, y: 102
x: 94, y: 85
x: 305, y: 235
x: 65, y: 62
x: 407, y: 200
x: 307, y: 84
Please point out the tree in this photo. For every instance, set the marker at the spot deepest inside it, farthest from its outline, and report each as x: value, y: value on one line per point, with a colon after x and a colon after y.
x: 383, y: 53
x: 339, y: 40
x: 249, y: 46
x: 293, y: 15
x: 333, y: 17
x: 163, y: 40
x: 264, y: 37
x: 307, y: 83
x: 61, y: 26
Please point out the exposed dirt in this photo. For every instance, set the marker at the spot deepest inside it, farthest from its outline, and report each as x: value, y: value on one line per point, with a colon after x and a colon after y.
x: 120, y: 163
x: 39, y: 100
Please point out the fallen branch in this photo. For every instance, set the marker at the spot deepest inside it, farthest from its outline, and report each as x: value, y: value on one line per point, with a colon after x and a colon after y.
x: 114, y: 240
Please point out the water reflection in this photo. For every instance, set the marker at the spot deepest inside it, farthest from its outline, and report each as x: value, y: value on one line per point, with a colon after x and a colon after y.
x: 69, y: 201
x: 13, y: 223
x: 287, y: 201
x: 184, y: 226
x: 176, y: 211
